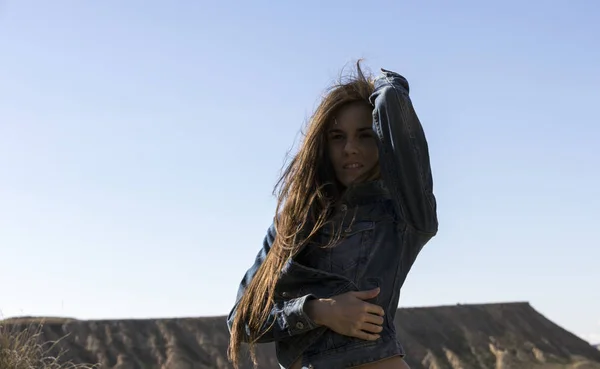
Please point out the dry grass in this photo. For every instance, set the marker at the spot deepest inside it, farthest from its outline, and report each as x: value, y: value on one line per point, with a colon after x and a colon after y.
x: 23, y: 348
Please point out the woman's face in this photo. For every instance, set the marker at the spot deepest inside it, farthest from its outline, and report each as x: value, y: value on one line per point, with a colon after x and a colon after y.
x: 351, y: 144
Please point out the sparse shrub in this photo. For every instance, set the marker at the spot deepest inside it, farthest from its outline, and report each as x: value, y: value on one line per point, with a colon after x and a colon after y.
x: 23, y: 348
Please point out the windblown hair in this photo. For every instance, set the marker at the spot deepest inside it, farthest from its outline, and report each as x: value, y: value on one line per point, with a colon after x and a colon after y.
x: 306, y: 194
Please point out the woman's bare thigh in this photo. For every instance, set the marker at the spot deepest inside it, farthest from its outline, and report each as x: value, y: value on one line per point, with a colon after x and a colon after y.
x: 297, y: 364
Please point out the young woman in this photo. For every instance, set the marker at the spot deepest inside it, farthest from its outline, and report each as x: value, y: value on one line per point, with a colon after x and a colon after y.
x: 355, y: 207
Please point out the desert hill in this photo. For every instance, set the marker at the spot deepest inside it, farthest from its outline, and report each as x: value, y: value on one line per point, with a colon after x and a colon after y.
x: 502, y: 336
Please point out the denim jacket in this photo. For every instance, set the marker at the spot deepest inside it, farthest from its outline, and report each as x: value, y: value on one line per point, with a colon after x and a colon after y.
x: 384, y: 224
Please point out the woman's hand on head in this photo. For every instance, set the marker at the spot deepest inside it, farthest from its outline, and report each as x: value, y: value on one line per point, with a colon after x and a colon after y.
x: 348, y: 314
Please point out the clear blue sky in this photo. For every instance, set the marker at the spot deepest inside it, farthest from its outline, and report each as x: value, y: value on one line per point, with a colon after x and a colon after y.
x: 140, y: 141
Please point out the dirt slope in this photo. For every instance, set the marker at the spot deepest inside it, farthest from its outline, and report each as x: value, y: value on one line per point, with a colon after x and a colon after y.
x: 501, y: 336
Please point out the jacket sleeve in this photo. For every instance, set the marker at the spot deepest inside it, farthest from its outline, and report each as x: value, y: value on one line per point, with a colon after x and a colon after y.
x: 287, y: 317
x: 404, y: 157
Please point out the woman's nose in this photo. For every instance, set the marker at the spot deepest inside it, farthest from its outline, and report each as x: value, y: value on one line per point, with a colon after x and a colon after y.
x: 350, y: 147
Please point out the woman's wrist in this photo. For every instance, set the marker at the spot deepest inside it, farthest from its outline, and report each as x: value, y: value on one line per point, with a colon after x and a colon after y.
x: 316, y: 310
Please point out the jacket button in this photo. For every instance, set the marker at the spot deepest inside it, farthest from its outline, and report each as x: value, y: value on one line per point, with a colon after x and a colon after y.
x: 285, y: 294
x: 300, y: 325
x: 344, y: 207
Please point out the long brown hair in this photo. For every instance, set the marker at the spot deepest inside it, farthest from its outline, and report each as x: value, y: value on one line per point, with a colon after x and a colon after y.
x: 306, y: 193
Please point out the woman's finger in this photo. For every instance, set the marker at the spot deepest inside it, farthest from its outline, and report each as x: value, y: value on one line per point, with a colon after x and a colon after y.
x: 365, y: 336
x: 373, y: 309
x: 374, y: 319
x: 371, y: 328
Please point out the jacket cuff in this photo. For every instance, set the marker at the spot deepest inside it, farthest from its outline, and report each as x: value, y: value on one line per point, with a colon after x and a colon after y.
x: 297, y: 319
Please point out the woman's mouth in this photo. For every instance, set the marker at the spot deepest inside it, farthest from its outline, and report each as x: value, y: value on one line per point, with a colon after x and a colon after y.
x: 352, y: 166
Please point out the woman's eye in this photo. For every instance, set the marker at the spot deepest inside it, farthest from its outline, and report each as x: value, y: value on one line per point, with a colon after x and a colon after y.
x: 337, y: 137
x: 366, y: 135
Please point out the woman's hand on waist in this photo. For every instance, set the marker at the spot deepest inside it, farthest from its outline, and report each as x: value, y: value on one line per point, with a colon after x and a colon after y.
x: 348, y: 314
